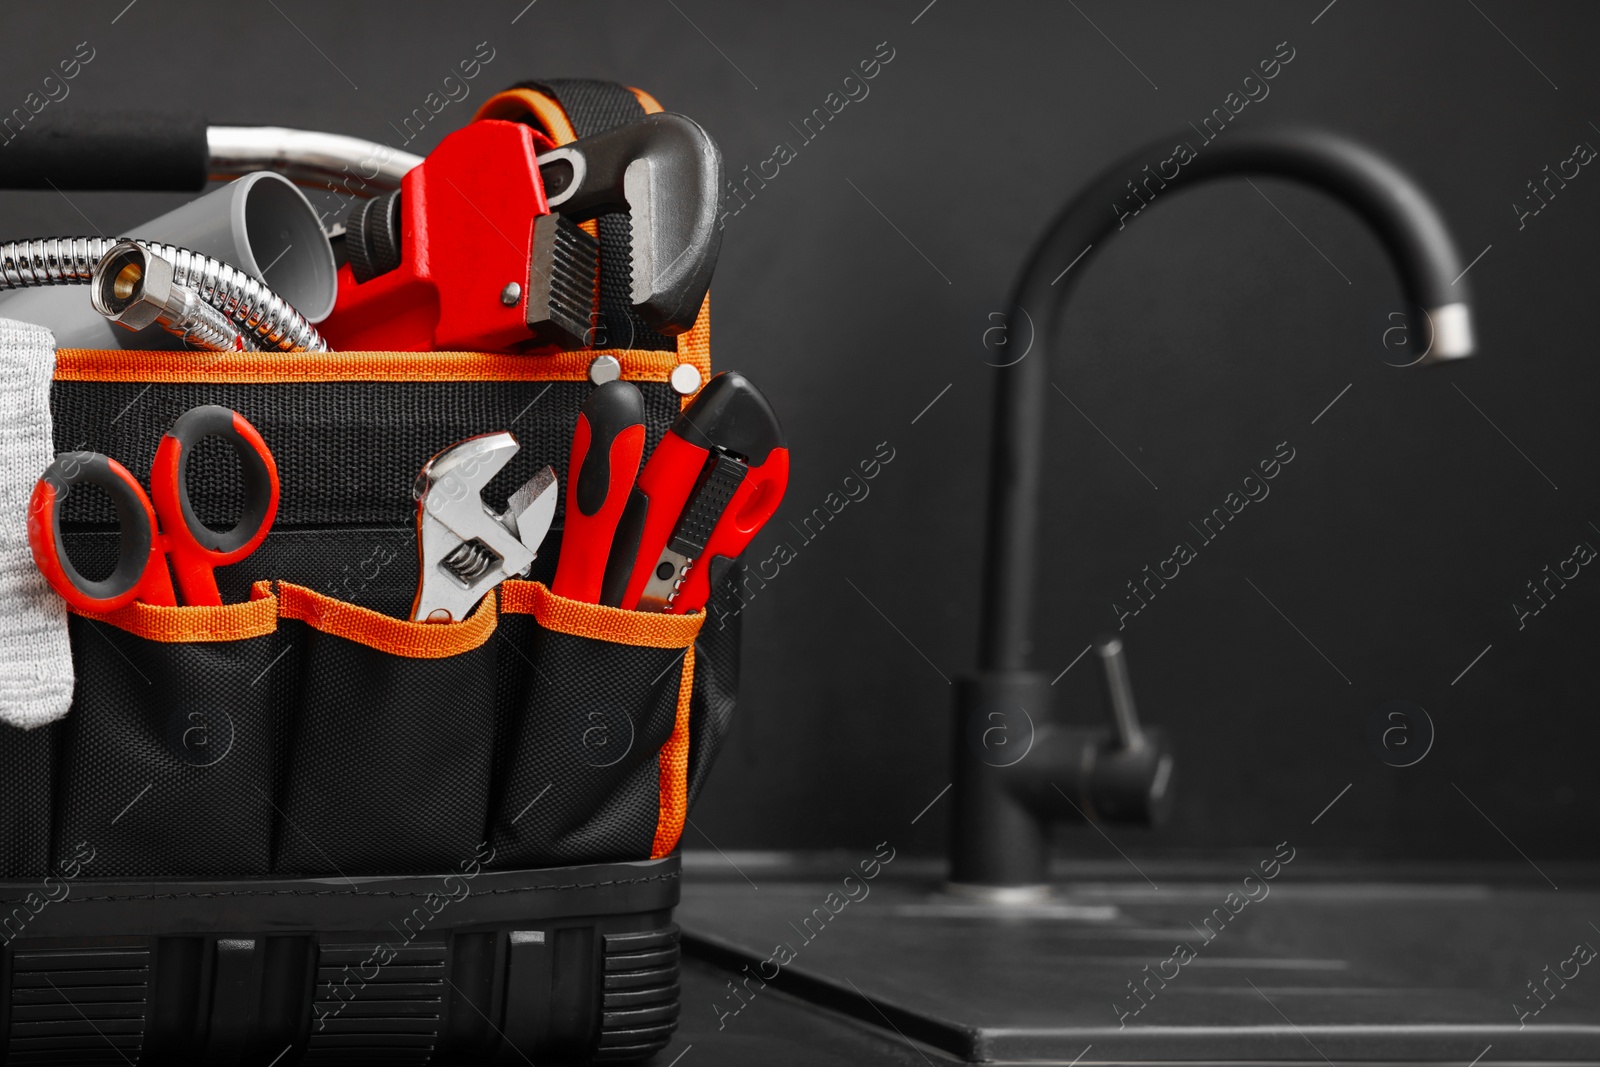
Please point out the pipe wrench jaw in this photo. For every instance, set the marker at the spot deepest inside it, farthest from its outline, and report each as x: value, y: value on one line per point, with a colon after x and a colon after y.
x: 666, y: 172
x: 465, y: 549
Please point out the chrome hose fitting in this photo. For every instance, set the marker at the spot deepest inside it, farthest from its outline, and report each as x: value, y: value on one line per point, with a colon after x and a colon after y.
x: 262, y: 316
x: 134, y: 288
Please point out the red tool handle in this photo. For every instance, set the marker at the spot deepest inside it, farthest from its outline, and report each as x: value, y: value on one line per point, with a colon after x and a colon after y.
x: 606, y: 449
x: 141, y: 570
x: 664, y: 488
x: 753, y: 503
x: 731, y: 416
x: 195, y: 549
x: 147, y: 545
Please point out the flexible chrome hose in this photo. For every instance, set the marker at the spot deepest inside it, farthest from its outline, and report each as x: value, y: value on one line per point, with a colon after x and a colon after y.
x: 265, y: 316
x: 250, y: 302
x: 210, y: 329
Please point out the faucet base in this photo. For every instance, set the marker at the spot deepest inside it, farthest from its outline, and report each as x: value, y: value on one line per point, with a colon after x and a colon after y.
x: 995, y: 840
x: 1001, y: 895
x: 1017, y: 772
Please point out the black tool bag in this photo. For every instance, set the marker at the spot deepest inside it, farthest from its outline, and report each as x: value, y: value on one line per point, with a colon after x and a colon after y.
x: 299, y: 826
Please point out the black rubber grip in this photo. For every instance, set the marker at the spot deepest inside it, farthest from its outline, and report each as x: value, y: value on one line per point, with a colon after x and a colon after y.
x: 705, y: 508
x: 624, y: 549
x: 213, y: 420
x: 731, y: 415
x: 91, y: 149
x: 133, y: 520
x: 612, y: 408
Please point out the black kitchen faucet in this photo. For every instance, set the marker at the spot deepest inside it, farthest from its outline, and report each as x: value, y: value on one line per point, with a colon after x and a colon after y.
x: 1014, y: 776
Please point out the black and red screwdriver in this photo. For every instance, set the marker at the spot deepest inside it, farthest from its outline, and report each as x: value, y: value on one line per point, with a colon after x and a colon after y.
x: 606, y: 449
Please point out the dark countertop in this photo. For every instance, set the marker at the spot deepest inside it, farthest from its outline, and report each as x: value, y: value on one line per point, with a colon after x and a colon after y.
x: 776, y: 1029
x: 1352, y: 967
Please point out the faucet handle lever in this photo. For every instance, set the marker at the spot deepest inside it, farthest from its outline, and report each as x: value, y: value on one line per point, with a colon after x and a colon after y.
x: 1119, y: 693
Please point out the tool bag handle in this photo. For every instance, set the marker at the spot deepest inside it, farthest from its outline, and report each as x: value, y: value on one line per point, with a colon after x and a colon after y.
x: 93, y: 149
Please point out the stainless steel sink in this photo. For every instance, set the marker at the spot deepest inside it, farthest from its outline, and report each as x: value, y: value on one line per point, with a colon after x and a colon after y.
x: 1367, y: 969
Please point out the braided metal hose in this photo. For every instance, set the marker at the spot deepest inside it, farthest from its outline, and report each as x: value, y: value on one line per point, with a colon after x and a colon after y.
x: 266, y: 317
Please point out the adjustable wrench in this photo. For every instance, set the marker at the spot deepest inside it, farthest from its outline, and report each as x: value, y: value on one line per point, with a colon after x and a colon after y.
x: 465, y: 548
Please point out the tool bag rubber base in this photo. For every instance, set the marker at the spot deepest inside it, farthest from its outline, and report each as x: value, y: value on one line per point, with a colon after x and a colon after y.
x: 561, y: 965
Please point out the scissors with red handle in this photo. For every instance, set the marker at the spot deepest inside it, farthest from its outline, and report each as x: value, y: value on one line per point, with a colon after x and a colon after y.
x: 161, y: 529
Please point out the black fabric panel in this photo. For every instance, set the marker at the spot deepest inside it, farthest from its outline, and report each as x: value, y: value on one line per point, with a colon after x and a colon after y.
x: 169, y: 754
x: 389, y: 761
x: 581, y: 777
x: 347, y: 452
x: 716, y: 680
x: 514, y: 645
x: 594, y: 107
x: 26, y: 760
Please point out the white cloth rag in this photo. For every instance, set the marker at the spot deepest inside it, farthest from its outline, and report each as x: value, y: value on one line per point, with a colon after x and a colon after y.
x: 35, y: 656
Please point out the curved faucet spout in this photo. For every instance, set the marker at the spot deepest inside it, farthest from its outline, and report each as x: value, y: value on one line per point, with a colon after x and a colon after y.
x: 1400, y: 213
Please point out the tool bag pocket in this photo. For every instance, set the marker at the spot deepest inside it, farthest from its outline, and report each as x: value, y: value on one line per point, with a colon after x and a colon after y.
x: 359, y: 743
x: 26, y: 764
x: 167, y: 760
x: 388, y: 763
x: 596, y: 738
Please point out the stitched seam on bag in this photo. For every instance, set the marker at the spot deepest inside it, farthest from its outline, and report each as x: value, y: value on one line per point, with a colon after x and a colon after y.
x: 598, y: 622
x: 673, y: 761
x: 385, y: 633
x: 170, y: 625
x: 136, y: 365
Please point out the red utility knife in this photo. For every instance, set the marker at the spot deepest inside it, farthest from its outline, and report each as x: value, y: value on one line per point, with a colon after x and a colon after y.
x: 710, y: 485
x: 606, y: 449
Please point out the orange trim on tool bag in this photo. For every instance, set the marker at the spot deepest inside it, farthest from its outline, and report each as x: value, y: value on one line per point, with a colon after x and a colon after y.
x: 694, y: 347
x: 518, y: 105
x: 674, y: 773
x: 398, y: 637
x: 637, y: 628
x: 230, y: 622
x: 644, y: 628
x: 651, y: 105
x: 132, y: 365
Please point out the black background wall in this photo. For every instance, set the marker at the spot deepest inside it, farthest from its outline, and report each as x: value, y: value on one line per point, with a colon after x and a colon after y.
x: 859, y: 287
